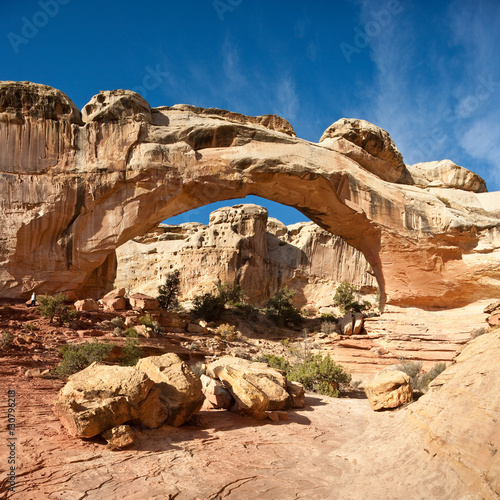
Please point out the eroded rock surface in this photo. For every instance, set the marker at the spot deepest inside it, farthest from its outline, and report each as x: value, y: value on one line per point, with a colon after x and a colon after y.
x: 76, y: 186
x: 242, y: 245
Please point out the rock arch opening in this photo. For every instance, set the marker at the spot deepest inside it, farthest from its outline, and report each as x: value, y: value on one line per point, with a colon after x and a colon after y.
x: 245, y: 245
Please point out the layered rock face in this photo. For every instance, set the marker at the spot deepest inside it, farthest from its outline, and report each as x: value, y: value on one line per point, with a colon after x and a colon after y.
x: 77, y: 186
x: 242, y: 245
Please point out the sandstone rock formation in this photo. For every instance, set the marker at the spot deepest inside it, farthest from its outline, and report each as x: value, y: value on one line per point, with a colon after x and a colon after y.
x: 101, y: 397
x: 256, y: 387
x: 242, y: 245
x: 160, y: 389
x: 180, y: 388
x: 77, y: 186
x: 389, y: 389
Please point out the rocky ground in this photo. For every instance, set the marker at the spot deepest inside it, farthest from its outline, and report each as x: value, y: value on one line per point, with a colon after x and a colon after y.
x: 333, y: 448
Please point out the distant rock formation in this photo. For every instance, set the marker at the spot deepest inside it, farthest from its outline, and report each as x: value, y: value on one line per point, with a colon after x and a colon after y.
x: 75, y: 186
x: 242, y: 245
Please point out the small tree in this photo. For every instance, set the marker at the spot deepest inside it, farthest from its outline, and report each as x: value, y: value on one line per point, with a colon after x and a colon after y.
x: 281, y: 310
x: 52, y: 306
x: 346, y: 297
x: 168, y: 294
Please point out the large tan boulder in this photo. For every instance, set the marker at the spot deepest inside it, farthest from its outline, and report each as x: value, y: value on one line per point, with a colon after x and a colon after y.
x: 389, y: 389
x: 180, y: 388
x: 448, y: 174
x: 101, y: 397
x: 88, y: 305
x: 115, y: 300
x: 369, y: 145
x: 216, y: 395
x: 142, y: 302
x: 255, y: 386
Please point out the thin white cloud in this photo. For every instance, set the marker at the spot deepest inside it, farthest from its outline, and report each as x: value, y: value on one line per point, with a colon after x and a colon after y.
x: 436, y: 97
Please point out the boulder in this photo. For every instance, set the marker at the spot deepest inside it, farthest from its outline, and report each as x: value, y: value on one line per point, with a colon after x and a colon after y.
x: 119, y: 437
x: 180, y: 388
x: 494, y: 319
x: 141, y: 302
x: 358, y: 323
x: 255, y: 386
x: 389, y: 389
x: 88, y: 305
x: 346, y: 324
x: 493, y: 307
x: 367, y: 144
x: 216, y: 395
x: 297, y: 394
x: 101, y: 397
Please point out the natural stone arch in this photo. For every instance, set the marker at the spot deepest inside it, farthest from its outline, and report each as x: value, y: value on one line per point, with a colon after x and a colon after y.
x: 76, y: 186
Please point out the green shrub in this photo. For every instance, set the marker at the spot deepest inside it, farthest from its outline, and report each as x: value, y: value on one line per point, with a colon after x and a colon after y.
x: 208, y: 306
x: 6, y: 339
x: 131, y: 352
x: 345, y: 299
x: 232, y: 294
x: 76, y: 357
x: 320, y: 374
x: 280, y: 308
x: 146, y: 320
x: 116, y: 322
x: 478, y: 332
x: 328, y: 317
x: 419, y: 378
x: 226, y: 331
x: 52, y: 306
x: 316, y: 373
x: 30, y: 327
x: 168, y: 294
x: 278, y: 362
x: 130, y: 331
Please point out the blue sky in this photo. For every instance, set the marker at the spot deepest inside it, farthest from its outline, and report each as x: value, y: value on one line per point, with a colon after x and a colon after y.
x: 427, y: 71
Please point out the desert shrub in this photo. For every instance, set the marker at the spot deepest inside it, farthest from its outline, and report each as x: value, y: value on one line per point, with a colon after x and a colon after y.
x: 278, y: 362
x: 194, y: 346
x: 208, y: 306
x: 6, y: 338
x: 168, y: 293
x: 146, y: 320
x: 117, y: 331
x: 199, y: 368
x: 328, y: 327
x: 419, y: 378
x: 328, y: 317
x: 232, y: 294
x: 436, y: 370
x: 130, y: 331
x: 76, y: 357
x: 315, y: 372
x: 52, y: 306
x: 320, y: 374
x: 281, y: 310
x: 226, y: 331
x: 444, y: 200
x: 478, y: 332
x: 131, y: 352
x: 30, y: 327
x: 346, y: 299
x: 157, y: 328
x: 116, y: 322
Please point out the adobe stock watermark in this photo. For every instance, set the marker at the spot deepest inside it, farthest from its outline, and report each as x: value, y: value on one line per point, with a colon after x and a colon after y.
x: 30, y: 27
x: 380, y: 20
x: 484, y: 89
x: 151, y: 80
x: 223, y: 6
